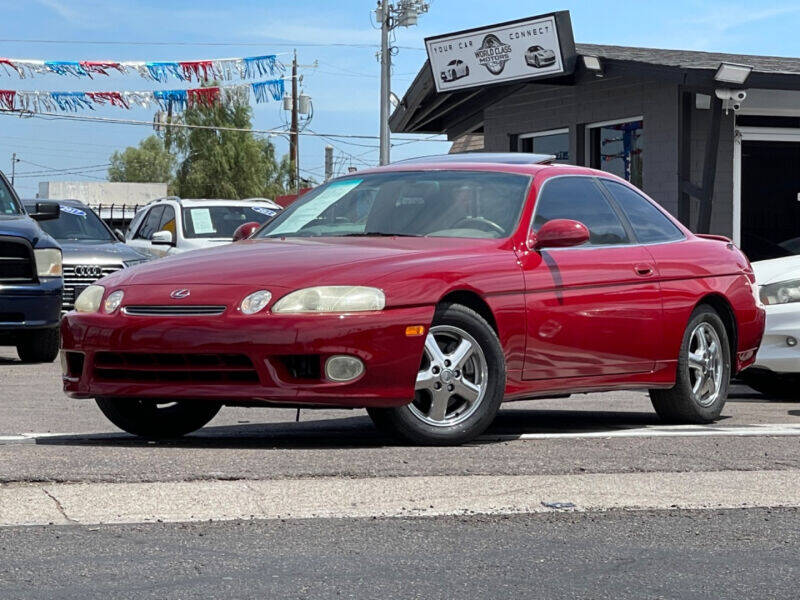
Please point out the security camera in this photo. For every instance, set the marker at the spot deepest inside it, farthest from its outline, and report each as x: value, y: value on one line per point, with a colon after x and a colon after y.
x: 737, y: 96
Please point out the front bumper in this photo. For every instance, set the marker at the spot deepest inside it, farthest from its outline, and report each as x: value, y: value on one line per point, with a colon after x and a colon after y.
x: 378, y: 339
x: 775, y: 354
x: 30, y: 306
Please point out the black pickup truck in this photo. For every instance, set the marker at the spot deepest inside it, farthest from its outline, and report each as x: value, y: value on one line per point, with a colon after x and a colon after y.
x: 30, y: 279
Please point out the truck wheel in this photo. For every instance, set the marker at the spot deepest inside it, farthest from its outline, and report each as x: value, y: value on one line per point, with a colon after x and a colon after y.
x: 39, y: 346
x: 703, y: 373
x: 157, y: 420
x: 460, y: 384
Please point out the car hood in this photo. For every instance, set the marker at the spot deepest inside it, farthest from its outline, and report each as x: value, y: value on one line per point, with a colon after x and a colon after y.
x: 25, y: 227
x: 98, y: 251
x: 295, y: 262
x: 777, y: 269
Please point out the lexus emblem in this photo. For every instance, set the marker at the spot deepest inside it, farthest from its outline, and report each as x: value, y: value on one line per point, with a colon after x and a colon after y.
x: 178, y: 294
x: 89, y: 271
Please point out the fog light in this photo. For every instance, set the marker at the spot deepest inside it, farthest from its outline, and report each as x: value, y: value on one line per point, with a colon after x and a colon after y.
x: 343, y: 368
x: 791, y: 342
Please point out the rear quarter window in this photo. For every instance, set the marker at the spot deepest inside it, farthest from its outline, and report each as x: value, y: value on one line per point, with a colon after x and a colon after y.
x: 650, y: 225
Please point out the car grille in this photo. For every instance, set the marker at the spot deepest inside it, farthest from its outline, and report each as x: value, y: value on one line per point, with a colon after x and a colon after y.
x: 182, y: 310
x: 16, y: 261
x: 197, y: 369
x: 78, y: 277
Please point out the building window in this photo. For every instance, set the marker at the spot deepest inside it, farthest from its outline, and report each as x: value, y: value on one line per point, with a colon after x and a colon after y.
x: 618, y: 148
x: 555, y: 142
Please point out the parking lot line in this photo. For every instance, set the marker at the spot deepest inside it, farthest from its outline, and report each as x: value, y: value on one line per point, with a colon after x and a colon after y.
x: 762, y: 430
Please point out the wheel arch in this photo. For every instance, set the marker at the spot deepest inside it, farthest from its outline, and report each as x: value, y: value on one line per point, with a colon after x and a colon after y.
x: 724, y: 309
x: 474, y: 301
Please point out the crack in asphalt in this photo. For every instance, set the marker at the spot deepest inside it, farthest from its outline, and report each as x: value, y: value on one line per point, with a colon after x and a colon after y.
x: 59, y: 506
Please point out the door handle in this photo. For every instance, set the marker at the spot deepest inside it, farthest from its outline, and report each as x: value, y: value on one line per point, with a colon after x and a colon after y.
x: 643, y: 270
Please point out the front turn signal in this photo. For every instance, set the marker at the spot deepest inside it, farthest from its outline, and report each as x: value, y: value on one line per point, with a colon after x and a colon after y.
x: 415, y: 330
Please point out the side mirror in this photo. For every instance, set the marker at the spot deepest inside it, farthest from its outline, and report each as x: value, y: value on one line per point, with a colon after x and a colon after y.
x: 162, y: 237
x: 245, y: 230
x: 120, y: 235
x: 559, y: 233
x: 46, y: 211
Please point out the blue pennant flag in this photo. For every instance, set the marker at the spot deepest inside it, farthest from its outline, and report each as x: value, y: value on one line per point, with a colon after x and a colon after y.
x: 258, y: 66
x: 178, y: 98
x: 263, y: 90
x: 65, y: 67
x: 161, y: 71
x: 71, y: 101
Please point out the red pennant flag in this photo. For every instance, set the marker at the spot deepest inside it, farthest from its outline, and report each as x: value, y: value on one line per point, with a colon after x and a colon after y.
x: 100, y: 66
x: 7, y: 99
x: 201, y: 69
x: 203, y: 96
x: 112, y: 98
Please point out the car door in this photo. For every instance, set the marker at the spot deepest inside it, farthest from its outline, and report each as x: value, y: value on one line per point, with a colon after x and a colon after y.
x: 592, y: 310
x: 141, y: 237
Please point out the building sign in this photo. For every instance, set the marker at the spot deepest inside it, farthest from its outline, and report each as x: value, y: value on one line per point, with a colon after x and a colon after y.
x: 529, y: 48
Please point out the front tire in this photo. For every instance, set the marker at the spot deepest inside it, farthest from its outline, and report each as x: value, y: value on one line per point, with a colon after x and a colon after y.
x: 703, y: 373
x: 460, y: 384
x: 39, y: 346
x: 158, y: 420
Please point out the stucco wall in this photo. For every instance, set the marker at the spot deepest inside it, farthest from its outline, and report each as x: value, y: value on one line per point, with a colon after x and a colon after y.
x: 102, y: 192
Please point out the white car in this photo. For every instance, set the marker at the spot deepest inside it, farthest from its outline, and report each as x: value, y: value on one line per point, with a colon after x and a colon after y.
x: 776, y: 371
x: 539, y: 57
x: 172, y: 225
x: 455, y: 69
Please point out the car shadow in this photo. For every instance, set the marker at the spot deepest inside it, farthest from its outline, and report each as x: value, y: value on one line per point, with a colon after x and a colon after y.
x: 359, y: 432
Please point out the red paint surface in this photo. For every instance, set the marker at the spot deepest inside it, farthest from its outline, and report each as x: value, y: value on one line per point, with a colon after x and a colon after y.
x: 569, y: 319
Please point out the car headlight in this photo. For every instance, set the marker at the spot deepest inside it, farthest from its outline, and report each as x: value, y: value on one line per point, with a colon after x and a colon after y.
x: 331, y: 299
x: 255, y: 302
x: 113, y: 301
x: 781, y: 293
x: 48, y: 262
x: 89, y: 299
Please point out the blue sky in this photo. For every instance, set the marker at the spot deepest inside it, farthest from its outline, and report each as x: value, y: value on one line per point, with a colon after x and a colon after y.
x: 345, y: 85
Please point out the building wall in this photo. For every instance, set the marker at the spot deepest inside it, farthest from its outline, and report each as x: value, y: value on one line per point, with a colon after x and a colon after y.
x: 539, y: 107
x: 106, y: 193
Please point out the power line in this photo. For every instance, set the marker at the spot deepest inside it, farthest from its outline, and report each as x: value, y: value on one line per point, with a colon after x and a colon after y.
x: 246, y: 44
x: 52, y: 116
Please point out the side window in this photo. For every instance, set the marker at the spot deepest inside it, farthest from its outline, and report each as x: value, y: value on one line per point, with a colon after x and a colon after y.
x: 150, y: 223
x: 649, y: 224
x: 168, y: 221
x: 580, y: 199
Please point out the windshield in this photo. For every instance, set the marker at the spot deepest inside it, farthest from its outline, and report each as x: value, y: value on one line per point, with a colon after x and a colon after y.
x: 221, y: 221
x: 464, y: 204
x: 8, y: 206
x: 77, y: 224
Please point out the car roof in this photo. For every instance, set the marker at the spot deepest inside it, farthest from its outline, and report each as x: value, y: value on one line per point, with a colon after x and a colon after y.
x: 502, y: 158
x: 34, y: 201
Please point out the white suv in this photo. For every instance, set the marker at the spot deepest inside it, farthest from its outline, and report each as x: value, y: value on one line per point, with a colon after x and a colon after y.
x: 171, y: 225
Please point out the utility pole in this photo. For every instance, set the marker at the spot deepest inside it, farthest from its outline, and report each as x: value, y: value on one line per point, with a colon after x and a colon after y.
x: 328, y: 162
x: 294, y: 137
x: 168, y: 132
x: 14, y: 162
x: 390, y: 16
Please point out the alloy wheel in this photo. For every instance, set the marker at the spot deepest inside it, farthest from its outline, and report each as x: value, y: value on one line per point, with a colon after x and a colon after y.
x: 452, y: 379
x: 705, y: 364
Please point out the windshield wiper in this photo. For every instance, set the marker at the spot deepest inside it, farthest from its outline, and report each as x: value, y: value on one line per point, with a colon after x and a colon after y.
x: 380, y: 234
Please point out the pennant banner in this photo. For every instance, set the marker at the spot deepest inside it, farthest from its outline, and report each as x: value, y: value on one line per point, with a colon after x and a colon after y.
x: 223, y: 69
x: 40, y: 101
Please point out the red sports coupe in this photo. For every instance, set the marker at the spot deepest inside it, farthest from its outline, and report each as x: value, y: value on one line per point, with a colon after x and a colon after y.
x: 427, y: 292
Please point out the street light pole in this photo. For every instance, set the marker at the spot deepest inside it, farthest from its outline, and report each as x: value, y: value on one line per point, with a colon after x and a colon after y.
x: 402, y: 14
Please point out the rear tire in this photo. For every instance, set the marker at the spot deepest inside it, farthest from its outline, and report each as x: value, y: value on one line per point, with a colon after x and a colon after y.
x: 460, y: 384
x: 40, y: 346
x: 703, y: 373
x: 153, y: 420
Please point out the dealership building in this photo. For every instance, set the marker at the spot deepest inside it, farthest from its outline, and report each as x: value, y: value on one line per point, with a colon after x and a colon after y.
x: 714, y: 138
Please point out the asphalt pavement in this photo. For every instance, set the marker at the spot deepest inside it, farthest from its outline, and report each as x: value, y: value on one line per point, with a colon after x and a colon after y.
x: 247, y: 498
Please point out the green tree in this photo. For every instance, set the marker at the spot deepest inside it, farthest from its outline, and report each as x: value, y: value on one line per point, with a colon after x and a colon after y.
x: 226, y: 164
x: 149, y: 163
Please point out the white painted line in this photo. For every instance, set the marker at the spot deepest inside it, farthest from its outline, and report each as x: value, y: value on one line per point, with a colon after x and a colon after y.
x: 767, y: 429
x: 97, y: 503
